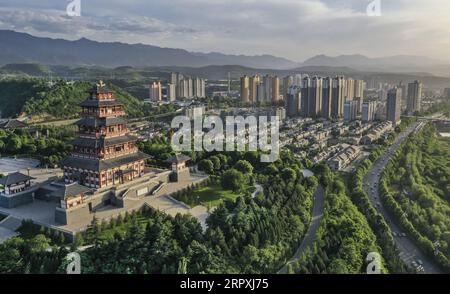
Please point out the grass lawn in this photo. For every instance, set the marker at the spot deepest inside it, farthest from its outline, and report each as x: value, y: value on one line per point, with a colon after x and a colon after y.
x: 212, y: 196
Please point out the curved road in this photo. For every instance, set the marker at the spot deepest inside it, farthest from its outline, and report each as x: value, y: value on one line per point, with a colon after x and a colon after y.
x: 308, y: 240
x: 409, y: 252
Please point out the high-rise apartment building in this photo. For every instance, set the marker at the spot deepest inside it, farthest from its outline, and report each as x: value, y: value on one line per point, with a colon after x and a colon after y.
x: 315, y: 97
x: 338, y: 94
x: 253, y: 88
x: 394, y: 105
x: 275, y: 89
x: 414, y: 97
x: 360, y: 86
x: 304, y: 103
x: 288, y: 82
x: 293, y: 99
x: 245, y: 89
x: 369, y: 109
x: 199, y: 88
x: 267, y: 83
x: 297, y: 80
x: 186, y: 87
x: 350, y: 110
x: 171, y: 92
x: 350, y: 90
x: 327, y: 95
x: 183, y: 89
x: 155, y: 91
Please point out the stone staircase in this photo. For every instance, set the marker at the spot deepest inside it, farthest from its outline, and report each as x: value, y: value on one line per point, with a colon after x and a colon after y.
x: 8, y: 227
x: 11, y: 223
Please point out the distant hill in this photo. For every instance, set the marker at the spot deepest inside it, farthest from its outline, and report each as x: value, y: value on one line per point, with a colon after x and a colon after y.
x: 23, y: 48
x: 399, y: 63
x: 135, y: 79
x: 60, y: 100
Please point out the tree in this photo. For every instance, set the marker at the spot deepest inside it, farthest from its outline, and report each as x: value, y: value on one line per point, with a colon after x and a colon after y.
x: 244, y: 167
x: 233, y: 180
x: 289, y: 174
x: 207, y: 166
x: 216, y: 162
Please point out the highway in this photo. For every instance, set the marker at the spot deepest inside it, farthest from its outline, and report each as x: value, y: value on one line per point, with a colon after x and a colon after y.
x: 310, y: 237
x: 409, y: 252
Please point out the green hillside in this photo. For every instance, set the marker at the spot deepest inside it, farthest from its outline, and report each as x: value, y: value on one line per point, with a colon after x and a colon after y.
x: 36, y: 97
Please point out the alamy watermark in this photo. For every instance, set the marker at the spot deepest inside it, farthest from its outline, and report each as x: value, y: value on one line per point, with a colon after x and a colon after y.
x: 241, y: 134
x: 74, y: 266
x: 74, y: 8
x: 374, y: 8
x: 374, y: 263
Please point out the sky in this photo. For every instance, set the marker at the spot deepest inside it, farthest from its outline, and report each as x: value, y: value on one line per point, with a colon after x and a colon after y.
x: 295, y: 29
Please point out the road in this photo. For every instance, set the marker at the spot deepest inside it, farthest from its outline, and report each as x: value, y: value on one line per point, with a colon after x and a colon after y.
x: 258, y: 189
x: 308, y: 240
x: 409, y: 252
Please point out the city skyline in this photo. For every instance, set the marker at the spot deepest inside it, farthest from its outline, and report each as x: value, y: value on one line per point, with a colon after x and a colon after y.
x: 246, y: 27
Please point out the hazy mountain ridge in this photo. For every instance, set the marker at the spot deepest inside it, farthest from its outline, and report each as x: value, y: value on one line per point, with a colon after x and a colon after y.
x: 21, y: 47
x: 398, y: 63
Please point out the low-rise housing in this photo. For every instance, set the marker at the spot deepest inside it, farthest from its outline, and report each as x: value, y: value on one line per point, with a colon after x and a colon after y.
x: 344, y: 158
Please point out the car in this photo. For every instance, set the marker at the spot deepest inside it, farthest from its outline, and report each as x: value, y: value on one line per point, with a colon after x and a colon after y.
x: 403, y: 234
x: 420, y: 262
x: 414, y: 264
x: 394, y: 233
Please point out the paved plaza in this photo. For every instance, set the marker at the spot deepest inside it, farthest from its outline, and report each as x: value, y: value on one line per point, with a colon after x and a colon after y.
x: 43, y: 213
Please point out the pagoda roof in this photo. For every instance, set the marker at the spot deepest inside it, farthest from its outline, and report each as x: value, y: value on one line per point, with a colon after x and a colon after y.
x: 178, y: 158
x: 102, y: 142
x: 14, y: 178
x: 100, y: 103
x: 100, y: 165
x: 100, y: 122
x: 70, y: 190
x: 100, y: 87
x: 12, y: 124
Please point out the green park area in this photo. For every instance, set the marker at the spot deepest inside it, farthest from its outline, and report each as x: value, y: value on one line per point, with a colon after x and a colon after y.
x: 212, y: 195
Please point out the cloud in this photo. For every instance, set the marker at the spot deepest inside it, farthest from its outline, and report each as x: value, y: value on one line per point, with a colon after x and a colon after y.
x: 296, y: 29
x: 58, y: 23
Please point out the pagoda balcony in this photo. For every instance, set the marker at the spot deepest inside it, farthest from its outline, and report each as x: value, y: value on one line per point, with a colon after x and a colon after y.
x: 112, y: 114
x: 103, y: 114
x: 101, y: 134
x: 115, y: 154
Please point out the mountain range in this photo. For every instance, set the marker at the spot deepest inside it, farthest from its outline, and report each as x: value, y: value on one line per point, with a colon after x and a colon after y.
x: 16, y: 47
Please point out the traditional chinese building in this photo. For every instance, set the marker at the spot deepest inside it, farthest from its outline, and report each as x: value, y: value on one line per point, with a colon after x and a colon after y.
x: 16, y: 189
x: 71, y: 195
x: 180, y: 170
x: 14, y: 183
x: 104, y: 154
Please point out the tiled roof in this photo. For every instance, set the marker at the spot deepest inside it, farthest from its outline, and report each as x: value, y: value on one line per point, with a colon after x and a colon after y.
x: 100, y: 103
x: 179, y: 158
x: 14, y: 178
x: 103, y: 142
x: 99, y: 165
x: 12, y: 124
x: 70, y: 190
x: 100, y: 122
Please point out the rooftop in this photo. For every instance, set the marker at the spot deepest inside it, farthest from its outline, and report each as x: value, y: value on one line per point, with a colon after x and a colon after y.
x: 179, y: 158
x: 12, y: 124
x: 99, y: 165
x: 70, y: 190
x: 14, y: 178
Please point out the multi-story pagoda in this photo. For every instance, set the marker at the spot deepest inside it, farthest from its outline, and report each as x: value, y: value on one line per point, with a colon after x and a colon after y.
x: 104, y: 153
